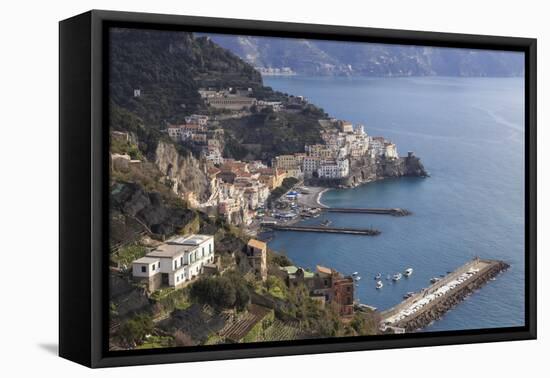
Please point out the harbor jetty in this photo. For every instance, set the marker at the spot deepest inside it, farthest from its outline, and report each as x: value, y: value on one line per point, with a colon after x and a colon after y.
x: 396, y: 212
x: 430, y: 304
x: 324, y: 229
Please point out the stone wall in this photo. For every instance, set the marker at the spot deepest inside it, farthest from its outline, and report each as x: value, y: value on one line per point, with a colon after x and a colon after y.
x: 439, y: 308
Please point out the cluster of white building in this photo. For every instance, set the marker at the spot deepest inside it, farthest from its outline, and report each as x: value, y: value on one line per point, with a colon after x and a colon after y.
x: 194, y: 129
x: 275, y: 71
x: 175, y: 262
x: 332, y: 159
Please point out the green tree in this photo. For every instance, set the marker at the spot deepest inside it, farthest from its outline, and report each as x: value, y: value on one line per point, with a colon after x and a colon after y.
x: 133, y: 331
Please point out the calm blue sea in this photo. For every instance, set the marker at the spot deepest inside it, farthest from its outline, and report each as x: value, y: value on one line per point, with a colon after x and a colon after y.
x: 469, y: 133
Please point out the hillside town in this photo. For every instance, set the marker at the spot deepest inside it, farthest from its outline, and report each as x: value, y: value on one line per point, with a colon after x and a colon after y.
x: 239, y: 190
x: 177, y: 271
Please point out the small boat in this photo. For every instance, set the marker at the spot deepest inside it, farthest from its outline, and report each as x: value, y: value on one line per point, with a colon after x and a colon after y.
x: 397, y: 276
x: 435, y: 279
x: 357, y: 278
x: 378, y: 276
x: 408, y: 272
x: 379, y: 285
x: 408, y: 295
x: 325, y: 223
x: 355, y: 273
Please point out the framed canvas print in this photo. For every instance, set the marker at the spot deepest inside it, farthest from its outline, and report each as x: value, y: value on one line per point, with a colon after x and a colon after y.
x: 233, y: 188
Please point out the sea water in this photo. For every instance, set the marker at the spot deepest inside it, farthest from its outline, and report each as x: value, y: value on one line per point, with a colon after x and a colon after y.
x: 469, y: 133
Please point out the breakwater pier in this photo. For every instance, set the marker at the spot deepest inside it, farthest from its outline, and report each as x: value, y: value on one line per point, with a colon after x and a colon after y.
x: 396, y: 212
x: 328, y: 230
x: 433, y: 302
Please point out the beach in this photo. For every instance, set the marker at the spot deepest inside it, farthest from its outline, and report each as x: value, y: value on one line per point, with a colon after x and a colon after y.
x: 311, y: 197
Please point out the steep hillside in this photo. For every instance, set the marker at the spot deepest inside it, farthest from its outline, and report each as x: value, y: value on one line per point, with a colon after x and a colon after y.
x: 168, y: 68
x: 266, y: 135
x: 315, y: 57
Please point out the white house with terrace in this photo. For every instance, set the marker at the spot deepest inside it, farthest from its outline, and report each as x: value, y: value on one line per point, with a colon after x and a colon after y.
x: 175, y: 262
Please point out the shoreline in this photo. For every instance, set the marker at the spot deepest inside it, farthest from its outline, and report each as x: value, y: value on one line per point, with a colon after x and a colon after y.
x: 320, y: 195
x: 312, y: 198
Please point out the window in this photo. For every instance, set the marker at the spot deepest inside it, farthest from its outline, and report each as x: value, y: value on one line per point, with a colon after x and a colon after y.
x: 153, y: 267
x: 202, y: 252
x: 181, y: 260
x: 175, y: 264
x: 209, y: 248
x: 143, y: 269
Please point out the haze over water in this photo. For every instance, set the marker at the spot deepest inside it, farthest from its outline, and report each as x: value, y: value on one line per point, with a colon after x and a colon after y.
x: 469, y: 133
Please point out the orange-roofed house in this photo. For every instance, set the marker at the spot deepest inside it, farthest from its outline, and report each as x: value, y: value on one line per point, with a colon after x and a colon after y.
x: 337, y: 290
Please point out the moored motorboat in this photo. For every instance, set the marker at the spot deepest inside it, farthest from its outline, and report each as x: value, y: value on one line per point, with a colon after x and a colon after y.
x: 397, y: 276
x: 408, y: 295
x: 435, y: 279
x: 355, y: 273
x: 408, y: 272
x: 379, y: 285
x: 378, y: 276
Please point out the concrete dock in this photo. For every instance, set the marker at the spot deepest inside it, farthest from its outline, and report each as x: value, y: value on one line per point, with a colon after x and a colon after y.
x: 328, y: 230
x: 396, y: 212
x: 433, y: 302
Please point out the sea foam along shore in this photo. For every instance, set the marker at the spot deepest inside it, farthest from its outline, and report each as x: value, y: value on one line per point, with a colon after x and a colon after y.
x: 320, y: 195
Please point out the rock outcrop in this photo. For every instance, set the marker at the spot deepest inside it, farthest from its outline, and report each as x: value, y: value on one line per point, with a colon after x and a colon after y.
x: 130, y: 203
x: 369, y: 169
x: 186, y: 172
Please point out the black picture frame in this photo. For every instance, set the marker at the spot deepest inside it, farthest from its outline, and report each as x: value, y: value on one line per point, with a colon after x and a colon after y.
x: 83, y: 196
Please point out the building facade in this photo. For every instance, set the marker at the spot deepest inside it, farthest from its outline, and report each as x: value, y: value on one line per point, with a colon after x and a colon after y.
x: 175, y: 262
x: 256, y: 252
x: 231, y: 102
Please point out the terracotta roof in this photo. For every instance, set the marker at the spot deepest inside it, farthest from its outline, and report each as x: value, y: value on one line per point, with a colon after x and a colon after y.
x: 322, y: 269
x: 257, y: 244
x: 213, y: 171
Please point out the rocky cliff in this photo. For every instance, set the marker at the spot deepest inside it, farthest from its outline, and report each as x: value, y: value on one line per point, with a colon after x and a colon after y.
x: 134, y: 208
x: 186, y: 172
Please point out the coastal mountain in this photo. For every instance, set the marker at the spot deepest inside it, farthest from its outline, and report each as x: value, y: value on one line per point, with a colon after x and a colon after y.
x: 318, y: 57
x: 154, y: 81
x: 167, y: 69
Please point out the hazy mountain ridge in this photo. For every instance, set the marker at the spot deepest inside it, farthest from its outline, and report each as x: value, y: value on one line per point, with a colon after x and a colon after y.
x: 316, y: 57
